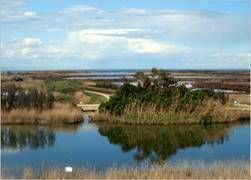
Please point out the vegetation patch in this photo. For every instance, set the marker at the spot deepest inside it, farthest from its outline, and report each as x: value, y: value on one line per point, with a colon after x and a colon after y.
x: 95, y: 98
x: 59, y: 114
x: 34, y: 106
x: 228, y: 170
x: 159, y: 99
x: 69, y: 92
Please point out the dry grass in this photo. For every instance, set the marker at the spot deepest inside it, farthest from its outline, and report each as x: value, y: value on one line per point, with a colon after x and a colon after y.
x: 241, y: 98
x: 81, y: 97
x: 61, y: 113
x: 27, y: 83
x: 233, y: 170
x: 153, y: 115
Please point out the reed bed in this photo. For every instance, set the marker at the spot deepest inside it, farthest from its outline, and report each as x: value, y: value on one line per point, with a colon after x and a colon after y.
x: 60, y: 113
x: 151, y: 114
x: 230, y: 170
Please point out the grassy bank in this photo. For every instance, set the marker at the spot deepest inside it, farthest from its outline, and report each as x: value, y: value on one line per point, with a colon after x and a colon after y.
x: 60, y: 113
x: 152, y: 115
x: 169, y: 118
x: 240, y: 170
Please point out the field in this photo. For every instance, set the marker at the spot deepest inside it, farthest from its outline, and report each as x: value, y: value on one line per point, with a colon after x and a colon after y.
x: 224, y: 79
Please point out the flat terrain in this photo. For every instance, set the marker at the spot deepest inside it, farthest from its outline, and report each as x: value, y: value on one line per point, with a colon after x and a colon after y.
x: 238, y: 80
x: 97, y: 86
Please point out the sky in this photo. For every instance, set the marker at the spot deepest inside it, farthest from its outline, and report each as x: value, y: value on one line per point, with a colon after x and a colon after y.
x: 125, y: 34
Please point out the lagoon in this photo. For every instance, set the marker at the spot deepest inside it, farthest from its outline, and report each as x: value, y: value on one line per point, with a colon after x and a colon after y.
x: 105, y: 145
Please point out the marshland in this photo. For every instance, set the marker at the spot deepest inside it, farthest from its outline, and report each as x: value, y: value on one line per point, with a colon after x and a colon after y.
x: 149, y: 124
x: 146, y: 89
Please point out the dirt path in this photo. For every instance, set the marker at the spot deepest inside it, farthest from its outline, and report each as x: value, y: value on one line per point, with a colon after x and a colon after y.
x: 107, y: 96
x: 93, y: 107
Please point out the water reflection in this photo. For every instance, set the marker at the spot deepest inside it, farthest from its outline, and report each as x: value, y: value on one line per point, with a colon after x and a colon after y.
x: 157, y: 143
x: 18, y: 137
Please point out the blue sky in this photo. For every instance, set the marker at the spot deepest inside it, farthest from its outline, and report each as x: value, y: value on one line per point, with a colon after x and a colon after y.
x: 112, y: 34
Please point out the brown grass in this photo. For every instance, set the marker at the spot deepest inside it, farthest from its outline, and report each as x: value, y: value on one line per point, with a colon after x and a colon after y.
x: 27, y: 83
x: 241, y: 98
x: 81, y: 97
x: 233, y: 170
x: 61, y: 113
x: 151, y: 114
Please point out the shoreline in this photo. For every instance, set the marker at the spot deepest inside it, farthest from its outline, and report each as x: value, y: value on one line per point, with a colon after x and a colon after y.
x: 230, y: 169
x: 60, y: 114
x: 76, y: 117
x: 246, y: 120
x: 142, y: 120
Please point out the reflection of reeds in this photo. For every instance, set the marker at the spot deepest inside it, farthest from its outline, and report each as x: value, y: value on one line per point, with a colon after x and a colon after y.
x: 233, y: 170
x: 151, y: 114
x: 61, y: 113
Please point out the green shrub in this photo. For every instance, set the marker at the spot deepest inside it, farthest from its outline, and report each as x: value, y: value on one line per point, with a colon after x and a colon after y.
x: 160, y: 92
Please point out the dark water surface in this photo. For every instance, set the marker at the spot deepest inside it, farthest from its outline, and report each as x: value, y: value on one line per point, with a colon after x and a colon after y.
x: 103, y: 145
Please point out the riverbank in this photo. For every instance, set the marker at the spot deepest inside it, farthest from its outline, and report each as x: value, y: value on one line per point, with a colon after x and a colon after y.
x: 59, y: 114
x: 232, y: 170
x: 148, y: 118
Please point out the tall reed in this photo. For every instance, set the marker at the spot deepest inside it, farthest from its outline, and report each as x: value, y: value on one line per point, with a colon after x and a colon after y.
x: 152, y: 114
x: 232, y: 170
x: 61, y: 113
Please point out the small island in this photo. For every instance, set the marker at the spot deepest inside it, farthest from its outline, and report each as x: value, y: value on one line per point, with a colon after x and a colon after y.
x: 159, y: 99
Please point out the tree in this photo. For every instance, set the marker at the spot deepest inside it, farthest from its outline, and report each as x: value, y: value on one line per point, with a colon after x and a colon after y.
x: 154, y: 72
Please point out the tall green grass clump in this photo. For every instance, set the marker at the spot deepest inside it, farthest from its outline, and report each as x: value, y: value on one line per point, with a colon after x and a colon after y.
x: 159, y: 99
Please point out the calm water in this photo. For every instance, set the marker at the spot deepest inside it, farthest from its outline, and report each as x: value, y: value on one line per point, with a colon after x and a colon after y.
x: 102, y: 145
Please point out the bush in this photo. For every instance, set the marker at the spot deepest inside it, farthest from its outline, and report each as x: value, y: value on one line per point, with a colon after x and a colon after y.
x: 161, y: 92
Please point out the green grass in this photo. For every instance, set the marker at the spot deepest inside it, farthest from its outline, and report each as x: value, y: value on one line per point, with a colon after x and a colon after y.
x: 95, y: 98
x: 64, y: 86
x: 66, y: 98
x: 67, y: 88
x: 98, y: 89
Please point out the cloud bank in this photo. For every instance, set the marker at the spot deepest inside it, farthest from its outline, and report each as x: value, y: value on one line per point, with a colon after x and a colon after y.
x: 89, y: 37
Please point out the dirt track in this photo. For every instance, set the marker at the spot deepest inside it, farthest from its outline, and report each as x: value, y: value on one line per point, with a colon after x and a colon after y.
x: 107, y: 96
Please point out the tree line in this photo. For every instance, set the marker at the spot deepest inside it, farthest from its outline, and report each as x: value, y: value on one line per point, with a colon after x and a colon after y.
x: 13, y: 97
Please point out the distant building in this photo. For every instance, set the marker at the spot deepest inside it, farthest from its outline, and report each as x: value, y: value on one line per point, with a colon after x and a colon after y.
x: 187, y: 84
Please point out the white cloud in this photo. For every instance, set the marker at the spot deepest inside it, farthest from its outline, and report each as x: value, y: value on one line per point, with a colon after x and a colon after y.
x: 11, y: 3
x: 79, y: 9
x: 34, y: 48
x: 30, y: 13
x: 31, y: 42
x: 119, y: 31
x: 134, y: 11
x: 100, y: 43
x: 86, y: 32
x: 151, y: 46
